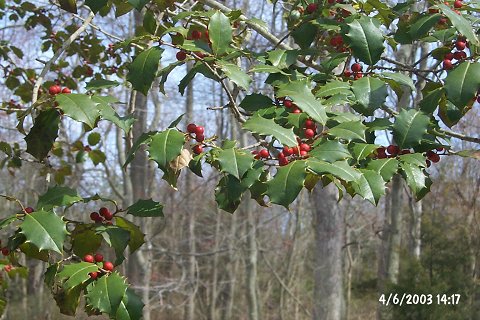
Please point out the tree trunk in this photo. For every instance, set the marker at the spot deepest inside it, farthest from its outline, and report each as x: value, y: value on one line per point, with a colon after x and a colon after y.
x: 328, y: 223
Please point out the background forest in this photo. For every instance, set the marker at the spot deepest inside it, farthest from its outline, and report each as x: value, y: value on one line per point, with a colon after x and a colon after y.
x: 200, y: 262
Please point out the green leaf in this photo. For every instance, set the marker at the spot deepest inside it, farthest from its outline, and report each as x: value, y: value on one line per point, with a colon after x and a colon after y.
x: 50, y: 274
x: 330, y: 151
x: 234, y: 161
x: 58, y: 196
x: 220, y: 33
x: 68, y: 300
x: 361, y: 151
x: 79, y: 107
x: 370, y: 93
x: 117, y: 238
x: 136, y: 235
x: 268, y: 127
x: 473, y: 153
x: 7, y: 221
x: 386, y: 167
x: 423, y: 25
x: 333, y: 88
x: 45, y: 230
x: 43, y: 134
x: 31, y: 251
x: 409, y: 128
x: 282, y: 59
x: 228, y: 193
x: 350, y: 131
x: 101, y: 84
x: 138, y: 4
x: 365, y: 39
x: 340, y: 169
x: 166, y: 146
x: 131, y: 307
x: 97, y: 156
x: 85, y: 240
x: 304, y: 35
x: 144, y: 138
x: 431, y: 98
x: 399, y: 78
x: 75, y: 274
x: 143, y: 69
x: 416, y: 159
x: 96, y: 5
x: 68, y: 5
x: 300, y: 93
x: 106, y: 294
x: 255, y: 101
x: 370, y: 186
x: 146, y: 208
x: 108, y: 113
x: 416, y: 178
x: 462, y: 83
x: 234, y: 73
x: 93, y: 138
x: 461, y: 24
x: 287, y: 183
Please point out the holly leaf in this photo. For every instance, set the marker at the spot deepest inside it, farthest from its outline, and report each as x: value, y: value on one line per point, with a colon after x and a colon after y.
x: 287, y: 183
x: 220, y: 33
x: 58, y: 196
x: 462, y: 83
x: 361, y: 151
x: 234, y: 73
x: 143, y: 69
x: 68, y: 300
x: 146, y: 208
x: 340, y: 169
x: 108, y: 113
x: 350, y: 131
x: 68, y: 5
x: 410, y: 127
x: 370, y: 186
x: 43, y: 134
x: 45, y: 230
x: 131, y: 307
x: 79, y: 107
x: 106, y: 294
x: 333, y: 88
x: 136, y: 235
x: 234, y: 161
x: 96, y: 5
x: 117, y: 238
x: 386, y: 167
x: 166, y: 146
x: 370, y: 94
x: 461, y: 24
x: 269, y: 127
x: 255, y: 101
x: 98, y: 84
x: 75, y: 274
x: 299, y: 91
x: 228, y: 193
x: 138, y: 4
x: 145, y: 138
x: 416, y: 179
x: 85, y: 240
x: 330, y: 151
x: 365, y: 39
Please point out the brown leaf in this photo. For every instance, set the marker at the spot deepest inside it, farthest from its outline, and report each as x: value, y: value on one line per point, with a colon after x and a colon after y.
x: 182, y: 160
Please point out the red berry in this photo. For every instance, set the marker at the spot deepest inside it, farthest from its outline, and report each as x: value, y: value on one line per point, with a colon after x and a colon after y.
x: 393, y: 150
x: 7, y: 268
x: 457, y: 4
x: 303, y: 153
x: 449, y: 56
x: 54, y: 89
x: 460, y: 45
x: 103, y: 211
x: 295, y: 150
x: 5, y: 251
x: 197, y: 149
x: 296, y: 110
x: 311, y: 8
x: 428, y: 163
x: 405, y: 151
x: 264, y: 153
x: 309, y: 133
x: 200, y: 137
x: 93, y: 275
x: 305, y: 147
x: 95, y: 216
x: 108, y: 266
x: 287, y: 151
x: 98, y: 257
x: 29, y: 210
x: 66, y: 90
x: 287, y: 103
x: 356, y: 67
x: 191, y: 128
x: 358, y: 76
x: 283, y: 161
x: 347, y: 73
x: 459, y: 55
x: 309, y: 124
x: 440, y: 149
x: 282, y: 155
x: 434, y: 158
x: 108, y: 216
x: 196, y: 34
x: 181, y: 55
x: 199, y: 130
x: 89, y: 258
x: 447, y: 64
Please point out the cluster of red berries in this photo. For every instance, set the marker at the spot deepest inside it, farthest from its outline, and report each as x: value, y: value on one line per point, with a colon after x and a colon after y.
x: 103, y: 215
x: 355, y: 71
x: 56, y: 89
x: 199, y: 133
x: 292, y: 153
x: 390, y: 151
x: 261, y: 154
x: 98, y: 258
x: 288, y: 104
x: 461, y: 44
x: 433, y: 156
x: 337, y: 42
x: 195, y: 35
